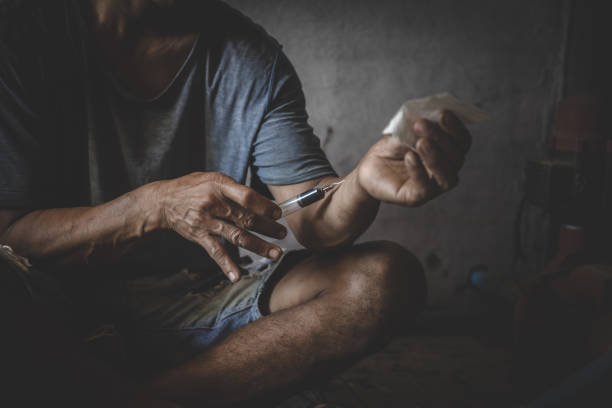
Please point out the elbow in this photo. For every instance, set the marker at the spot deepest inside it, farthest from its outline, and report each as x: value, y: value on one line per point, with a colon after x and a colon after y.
x: 8, y: 219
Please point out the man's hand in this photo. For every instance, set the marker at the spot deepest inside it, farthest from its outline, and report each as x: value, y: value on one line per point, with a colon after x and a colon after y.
x: 393, y: 172
x: 205, y: 207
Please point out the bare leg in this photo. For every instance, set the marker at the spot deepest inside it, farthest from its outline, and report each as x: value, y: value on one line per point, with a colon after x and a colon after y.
x: 326, y: 312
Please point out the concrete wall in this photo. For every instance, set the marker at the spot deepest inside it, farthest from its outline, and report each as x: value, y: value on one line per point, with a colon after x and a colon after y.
x: 359, y: 60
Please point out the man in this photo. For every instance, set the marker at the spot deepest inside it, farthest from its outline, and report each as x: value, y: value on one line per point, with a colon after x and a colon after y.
x: 126, y: 131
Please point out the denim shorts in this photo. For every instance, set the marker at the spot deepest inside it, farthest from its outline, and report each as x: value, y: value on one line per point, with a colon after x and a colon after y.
x: 172, y: 318
x: 166, y: 319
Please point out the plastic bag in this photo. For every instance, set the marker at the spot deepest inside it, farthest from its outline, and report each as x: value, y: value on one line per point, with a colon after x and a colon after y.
x: 401, y: 126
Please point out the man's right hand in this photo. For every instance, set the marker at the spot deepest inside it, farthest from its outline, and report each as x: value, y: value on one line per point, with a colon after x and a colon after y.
x: 205, y: 207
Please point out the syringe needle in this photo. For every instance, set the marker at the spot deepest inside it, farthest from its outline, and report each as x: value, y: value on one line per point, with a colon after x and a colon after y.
x: 332, y: 185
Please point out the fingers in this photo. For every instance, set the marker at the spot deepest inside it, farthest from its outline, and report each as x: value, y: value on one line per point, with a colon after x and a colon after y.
x: 454, y: 127
x: 442, y: 142
x: 421, y: 188
x: 239, y: 237
x: 438, y: 154
x: 434, y: 160
x: 242, y: 238
x: 249, y: 198
x: 248, y: 220
x: 218, y: 253
x: 209, y: 206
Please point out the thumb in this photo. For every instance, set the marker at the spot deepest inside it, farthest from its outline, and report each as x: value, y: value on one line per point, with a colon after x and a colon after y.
x: 417, y: 188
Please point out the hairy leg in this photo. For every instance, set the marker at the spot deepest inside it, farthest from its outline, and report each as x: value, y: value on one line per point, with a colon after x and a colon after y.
x: 326, y: 312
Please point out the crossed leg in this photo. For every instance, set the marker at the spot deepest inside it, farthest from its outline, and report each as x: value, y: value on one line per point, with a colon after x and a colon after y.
x: 327, y: 311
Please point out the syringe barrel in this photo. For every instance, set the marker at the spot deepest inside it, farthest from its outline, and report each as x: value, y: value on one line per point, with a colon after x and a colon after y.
x: 290, y: 206
x: 300, y: 201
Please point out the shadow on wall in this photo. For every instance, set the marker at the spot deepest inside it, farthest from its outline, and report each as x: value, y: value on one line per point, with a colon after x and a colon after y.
x: 359, y: 60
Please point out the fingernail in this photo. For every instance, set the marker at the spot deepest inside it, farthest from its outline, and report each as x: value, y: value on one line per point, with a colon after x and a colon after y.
x: 233, y: 276
x: 277, y: 213
x: 283, y: 233
x: 274, y: 253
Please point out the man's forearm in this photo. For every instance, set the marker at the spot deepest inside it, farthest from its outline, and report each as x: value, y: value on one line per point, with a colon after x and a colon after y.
x: 340, y: 218
x: 84, y: 234
x: 392, y: 172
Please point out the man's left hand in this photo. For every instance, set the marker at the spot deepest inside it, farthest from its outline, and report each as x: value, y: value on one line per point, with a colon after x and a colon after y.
x: 391, y: 171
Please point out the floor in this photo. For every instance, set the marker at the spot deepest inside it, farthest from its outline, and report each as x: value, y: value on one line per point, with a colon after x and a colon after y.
x: 428, y: 371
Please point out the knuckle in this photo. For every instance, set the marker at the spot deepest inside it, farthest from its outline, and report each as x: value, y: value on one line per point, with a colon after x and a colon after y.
x: 206, y: 202
x: 192, y: 217
x: 194, y: 230
x: 217, y: 227
x: 224, y: 262
x: 225, y: 211
x: 248, y: 220
x: 193, y: 224
x: 239, y: 214
x: 191, y: 176
x: 215, y: 250
x: 211, y: 178
x: 219, y: 178
x: 242, y: 240
x: 237, y: 237
x: 421, y: 124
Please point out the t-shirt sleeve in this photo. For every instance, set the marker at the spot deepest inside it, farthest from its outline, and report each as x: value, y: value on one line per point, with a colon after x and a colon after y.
x: 18, y: 144
x: 286, y: 150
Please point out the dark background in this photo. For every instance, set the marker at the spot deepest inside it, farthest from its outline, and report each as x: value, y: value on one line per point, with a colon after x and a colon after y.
x: 359, y: 60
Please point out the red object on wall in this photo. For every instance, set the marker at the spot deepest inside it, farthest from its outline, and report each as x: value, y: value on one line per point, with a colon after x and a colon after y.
x: 571, y: 241
x: 579, y: 126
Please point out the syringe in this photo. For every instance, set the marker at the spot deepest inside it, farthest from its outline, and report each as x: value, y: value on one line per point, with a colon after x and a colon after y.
x: 306, y: 198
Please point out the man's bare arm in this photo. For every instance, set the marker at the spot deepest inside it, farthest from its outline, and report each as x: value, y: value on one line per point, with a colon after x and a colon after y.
x: 344, y: 214
x: 201, y: 207
x: 82, y: 234
x: 390, y: 172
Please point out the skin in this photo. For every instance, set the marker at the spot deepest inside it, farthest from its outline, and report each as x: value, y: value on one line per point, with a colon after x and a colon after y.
x: 328, y: 309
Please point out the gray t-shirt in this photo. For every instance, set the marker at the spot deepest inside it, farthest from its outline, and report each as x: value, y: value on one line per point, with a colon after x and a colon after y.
x: 134, y: 141
x: 70, y: 135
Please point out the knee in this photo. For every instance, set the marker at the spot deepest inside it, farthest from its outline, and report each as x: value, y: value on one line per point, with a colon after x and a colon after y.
x: 386, y: 285
x: 393, y: 274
